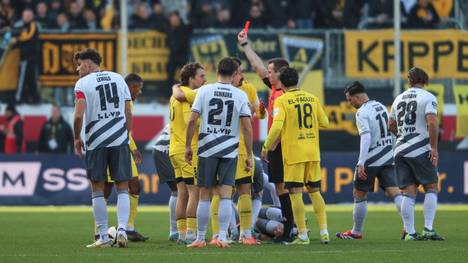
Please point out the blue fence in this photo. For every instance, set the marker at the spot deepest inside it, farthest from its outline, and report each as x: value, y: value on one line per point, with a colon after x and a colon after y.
x: 61, y: 180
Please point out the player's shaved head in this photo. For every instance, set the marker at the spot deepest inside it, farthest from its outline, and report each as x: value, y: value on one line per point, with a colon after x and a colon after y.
x: 289, y: 77
x: 133, y: 77
x: 227, y: 67
x: 417, y: 76
x: 354, y: 88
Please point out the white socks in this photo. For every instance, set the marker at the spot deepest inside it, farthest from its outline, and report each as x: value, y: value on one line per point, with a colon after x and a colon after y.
x: 359, y: 215
x: 172, y: 216
x: 100, y: 214
x: 123, y: 209
x: 407, y: 213
x: 203, y: 217
x: 224, y: 215
x: 430, y: 207
x: 272, y: 190
x: 397, y: 201
x: 256, y: 206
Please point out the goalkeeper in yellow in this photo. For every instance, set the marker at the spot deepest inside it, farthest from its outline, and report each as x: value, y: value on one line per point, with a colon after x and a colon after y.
x: 297, y: 117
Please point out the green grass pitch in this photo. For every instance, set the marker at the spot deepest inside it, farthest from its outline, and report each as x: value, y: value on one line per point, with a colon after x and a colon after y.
x: 60, y: 234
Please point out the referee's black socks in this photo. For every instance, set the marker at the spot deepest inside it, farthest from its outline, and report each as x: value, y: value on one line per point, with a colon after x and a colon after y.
x: 287, y: 212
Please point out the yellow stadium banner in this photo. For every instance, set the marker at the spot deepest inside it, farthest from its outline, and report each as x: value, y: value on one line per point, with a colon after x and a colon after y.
x: 439, y: 91
x: 57, y: 68
x: 441, y: 53
x: 461, y: 99
x: 9, y: 69
x: 147, y: 55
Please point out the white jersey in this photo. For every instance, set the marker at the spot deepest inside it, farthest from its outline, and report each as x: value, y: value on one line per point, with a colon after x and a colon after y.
x: 372, y: 117
x: 105, y: 93
x: 221, y: 106
x: 162, y: 142
x: 409, y: 110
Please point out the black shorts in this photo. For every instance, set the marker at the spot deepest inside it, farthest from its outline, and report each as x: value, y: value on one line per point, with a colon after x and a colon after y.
x: 257, y: 185
x: 415, y: 171
x: 385, y: 174
x: 117, y: 158
x: 213, y: 171
x: 163, y: 167
x: 275, y: 166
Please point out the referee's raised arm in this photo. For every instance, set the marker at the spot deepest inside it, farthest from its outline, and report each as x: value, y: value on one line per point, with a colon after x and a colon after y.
x: 254, y: 59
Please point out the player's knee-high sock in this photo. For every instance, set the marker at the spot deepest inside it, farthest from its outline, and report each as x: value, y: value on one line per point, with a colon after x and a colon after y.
x: 123, y: 208
x: 172, y: 216
x: 224, y: 215
x: 100, y: 214
x: 287, y: 212
x: 203, y: 217
x: 244, y: 205
x: 319, y: 209
x: 181, y: 228
x: 298, y: 209
x: 214, y: 214
x: 133, y: 211
x: 191, y: 228
x: 407, y: 212
x: 430, y: 207
x: 256, y: 206
x: 233, y: 221
x: 359, y: 215
x: 397, y: 201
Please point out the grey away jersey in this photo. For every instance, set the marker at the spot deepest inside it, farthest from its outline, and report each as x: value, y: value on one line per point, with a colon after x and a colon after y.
x: 372, y: 117
x: 221, y: 106
x: 409, y: 110
x: 162, y: 142
x: 105, y: 93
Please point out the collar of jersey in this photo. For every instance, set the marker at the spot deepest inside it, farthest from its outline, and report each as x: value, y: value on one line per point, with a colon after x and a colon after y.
x: 290, y: 90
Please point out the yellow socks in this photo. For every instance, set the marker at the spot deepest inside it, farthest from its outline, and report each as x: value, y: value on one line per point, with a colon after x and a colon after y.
x: 191, y: 227
x: 133, y: 212
x: 244, y: 205
x: 181, y: 228
x: 319, y: 209
x: 297, y: 205
x: 214, y: 214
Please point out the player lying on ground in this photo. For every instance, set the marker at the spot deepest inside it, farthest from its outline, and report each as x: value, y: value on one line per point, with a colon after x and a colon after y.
x: 375, y: 156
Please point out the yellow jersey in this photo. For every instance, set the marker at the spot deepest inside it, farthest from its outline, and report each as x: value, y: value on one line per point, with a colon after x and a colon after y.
x: 179, y: 115
x: 251, y: 92
x: 297, y: 117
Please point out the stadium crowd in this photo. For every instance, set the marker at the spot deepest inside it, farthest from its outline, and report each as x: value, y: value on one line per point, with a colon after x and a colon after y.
x: 68, y: 15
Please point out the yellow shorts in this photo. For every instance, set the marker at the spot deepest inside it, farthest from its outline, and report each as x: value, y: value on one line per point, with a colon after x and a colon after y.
x: 134, y: 170
x: 184, y: 171
x: 298, y: 174
x: 242, y: 176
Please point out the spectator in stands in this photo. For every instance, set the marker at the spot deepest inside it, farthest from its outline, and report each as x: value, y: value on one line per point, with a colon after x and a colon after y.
x: 75, y: 17
x: 204, y: 14
x: 181, y: 6
x: 178, y: 41
x: 13, y: 131
x: 278, y: 13
x: 56, y: 134
x: 423, y: 16
x: 140, y: 17
x: 256, y: 17
x: 62, y: 23
x: 301, y: 13
x: 91, y: 21
x: 381, y: 12
x: 338, y: 13
x: 443, y: 7
x: 158, y: 20
x: 240, y: 12
x: 7, y: 15
x: 43, y: 18
x: 55, y: 9
x: 26, y: 40
x: 223, y: 19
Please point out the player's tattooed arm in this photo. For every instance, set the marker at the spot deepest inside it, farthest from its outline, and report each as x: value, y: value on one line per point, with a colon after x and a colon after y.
x: 128, y: 115
x: 255, y: 61
x: 392, y: 126
x: 433, y: 129
x: 80, y: 107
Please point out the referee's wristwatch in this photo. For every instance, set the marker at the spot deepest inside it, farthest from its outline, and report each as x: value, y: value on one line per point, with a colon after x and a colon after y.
x: 244, y: 44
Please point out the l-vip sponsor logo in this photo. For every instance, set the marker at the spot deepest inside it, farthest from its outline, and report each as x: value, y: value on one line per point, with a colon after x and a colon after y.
x: 18, y: 178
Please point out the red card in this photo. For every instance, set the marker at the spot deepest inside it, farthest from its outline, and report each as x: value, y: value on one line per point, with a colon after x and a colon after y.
x: 246, y: 26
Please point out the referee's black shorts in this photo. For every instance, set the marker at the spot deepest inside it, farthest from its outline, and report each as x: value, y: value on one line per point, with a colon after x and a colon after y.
x: 275, y: 167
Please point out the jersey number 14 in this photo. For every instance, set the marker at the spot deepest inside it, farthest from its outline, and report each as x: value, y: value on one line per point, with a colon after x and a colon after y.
x: 108, y: 94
